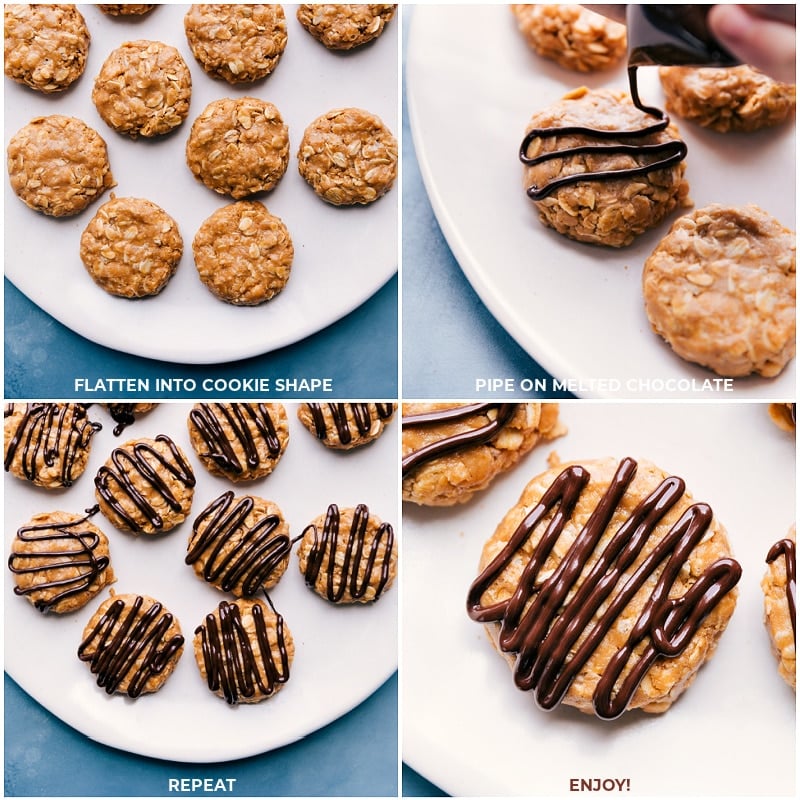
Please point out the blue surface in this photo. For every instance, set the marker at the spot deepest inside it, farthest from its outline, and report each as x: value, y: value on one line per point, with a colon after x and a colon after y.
x: 414, y: 785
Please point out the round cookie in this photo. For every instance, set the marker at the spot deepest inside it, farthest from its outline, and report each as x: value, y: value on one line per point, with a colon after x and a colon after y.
x: 45, y: 45
x: 146, y: 486
x: 239, y: 441
x: 606, y: 587
x: 58, y: 165
x: 125, y: 414
x: 126, y: 9
x: 47, y: 444
x: 132, y: 644
x: 604, y: 196
x: 784, y: 415
x: 240, y: 544
x: 238, y: 43
x: 60, y: 561
x: 143, y: 89
x: 720, y: 289
x: 131, y: 248
x: 571, y: 35
x: 342, y: 26
x: 348, y: 157
x: 243, y: 254
x: 732, y: 99
x: 348, y: 556
x: 451, y: 451
x: 342, y: 426
x: 244, y: 651
x: 779, y: 585
x: 238, y: 146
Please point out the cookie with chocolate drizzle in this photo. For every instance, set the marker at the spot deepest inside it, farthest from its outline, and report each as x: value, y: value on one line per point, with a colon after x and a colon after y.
x: 779, y: 585
x: 343, y: 426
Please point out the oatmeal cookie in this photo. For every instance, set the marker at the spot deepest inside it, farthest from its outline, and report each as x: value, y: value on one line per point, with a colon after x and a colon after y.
x: 146, y: 486
x: 571, y: 35
x: 45, y: 45
x: 779, y: 585
x: 132, y: 644
x: 720, y: 289
x: 342, y: 426
x: 143, y: 89
x: 451, y: 451
x: 341, y: 26
x: 131, y: 247
x: 238, y: 146
x: 238, y: 43
x: 58, y: 165
x: 244, y: 651
x: 606, y: 587
x: 126, y: 9
x: 732, y: 99
x: 784, y: 415
x: 348, y: 157
x: 606, y: 195
x: 60, y: 561
x: 125, y: 414
x: 243, y: 254
x: 47, y: 444
x: 348, y: 555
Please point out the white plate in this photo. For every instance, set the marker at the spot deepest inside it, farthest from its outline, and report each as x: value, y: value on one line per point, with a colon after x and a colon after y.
x: 472, y: 85
x: 467, y: 727
x: 342, y: 255
x: 342, y: 653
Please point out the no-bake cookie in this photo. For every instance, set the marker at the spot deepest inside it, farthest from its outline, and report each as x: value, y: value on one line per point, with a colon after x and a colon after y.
x: 342, y: 426
x: 779, y: 585
x: 126, y: 9
x: 343, y: 26
x: 784, y: 415
x: 125, y: 414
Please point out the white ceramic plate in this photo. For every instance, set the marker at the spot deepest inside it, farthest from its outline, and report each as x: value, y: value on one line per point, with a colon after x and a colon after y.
x: 467, y: 727
x: 342, y: 653
x: 472, y: 85
x: 342, y: 255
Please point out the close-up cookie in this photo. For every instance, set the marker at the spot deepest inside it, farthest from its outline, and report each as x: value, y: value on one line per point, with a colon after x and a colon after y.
x: 342, y: 426
x: 239, y: 43
x: 244, y: 651
x: 784, y: 415
x: 731, y: 99
x: 348, y: 555
x: 720, y: 289
x: 779, y: 585
x: 126, y: 9
x: 132, y: 644
x: 348, y: 156
x: 60, y: 561
x: 606, y: 587
x: 146, y: 486
x: 343, y: 26
x: 240, y: 544
x: 451, y: 451
x: 582, y: 176
x: 45, y: 45
x: 58, y: 165
x: 143, y: 89
x: 47, y: 444
x: 238, y: 146
x: 571, y: 35
x: 239, y: 441
x: 243, y: 254
x: 125, y: 414
x: 131, y: 247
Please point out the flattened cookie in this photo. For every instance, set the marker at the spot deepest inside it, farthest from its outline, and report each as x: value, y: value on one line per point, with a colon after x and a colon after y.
x: 244, y: 651
x: 143, y: 89
x: 720, y: 289
x: 146, y: 486
x: 238, y: 43
x: 132, y: 644
x: 451, y: 451
x: 60, y: 561
x: 606, y: 587
x: 47, y: 444
x: 238, y: 146
x: 348, y: 157
x: 784, y: 415
x: 243, y: 254
x: 126, y: 9
x: 45, y: 45
x: 571, y: 35
x: 58, y: 165
x: 779, y: 585
x: 342, y: 426
x: 125, y: 414
x: 348, y: 556
x: 131, y: 247
x: 341, y: 26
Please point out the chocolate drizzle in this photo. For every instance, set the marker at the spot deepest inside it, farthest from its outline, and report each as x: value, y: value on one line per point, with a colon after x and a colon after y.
x: 122, y: 414
x: 788, y: 549
x: 362, y: 416
x: 547, y: 622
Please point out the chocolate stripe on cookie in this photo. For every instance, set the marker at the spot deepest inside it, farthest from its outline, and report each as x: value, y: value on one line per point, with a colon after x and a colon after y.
x: 787, y: 549
x: 361, y: 415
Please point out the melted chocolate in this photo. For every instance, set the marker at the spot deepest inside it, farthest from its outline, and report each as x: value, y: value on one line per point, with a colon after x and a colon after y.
x: 122, y: 414
x: 362, y: 416
x: 547, y: 618
x: 787, y: 549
